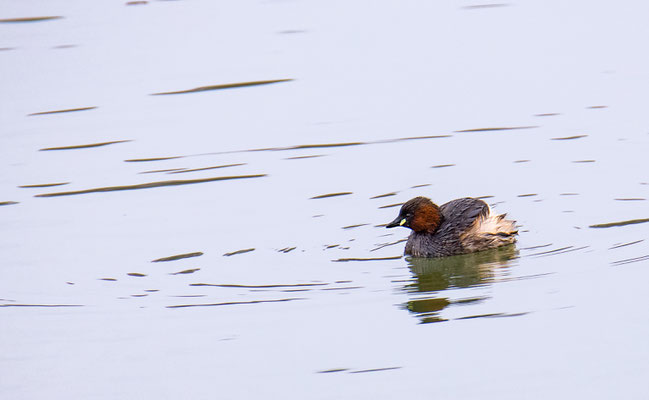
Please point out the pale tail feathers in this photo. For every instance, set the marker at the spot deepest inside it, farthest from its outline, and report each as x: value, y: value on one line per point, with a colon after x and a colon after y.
x: 490, y: 231
x: 489, y: 223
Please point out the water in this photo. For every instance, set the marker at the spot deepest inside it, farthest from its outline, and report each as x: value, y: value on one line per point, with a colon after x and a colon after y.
x: 190, y: 244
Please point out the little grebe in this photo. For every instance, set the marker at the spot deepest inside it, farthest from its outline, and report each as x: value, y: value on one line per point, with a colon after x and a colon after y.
x: 457, y: 227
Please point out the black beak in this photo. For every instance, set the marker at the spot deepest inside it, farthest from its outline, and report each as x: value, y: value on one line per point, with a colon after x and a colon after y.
x: 395, y: 223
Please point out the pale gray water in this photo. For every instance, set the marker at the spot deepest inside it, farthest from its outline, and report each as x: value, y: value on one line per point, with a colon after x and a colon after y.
x: 403, y: 96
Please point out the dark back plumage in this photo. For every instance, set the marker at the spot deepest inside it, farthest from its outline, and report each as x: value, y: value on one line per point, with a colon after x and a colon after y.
x: 460, y: 214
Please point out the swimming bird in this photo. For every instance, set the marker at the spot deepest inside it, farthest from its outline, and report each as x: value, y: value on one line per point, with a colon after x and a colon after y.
x: 458, y: 227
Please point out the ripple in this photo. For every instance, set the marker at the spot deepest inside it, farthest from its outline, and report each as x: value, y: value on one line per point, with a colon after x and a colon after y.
x: 156, y: 171
x: 561, y: 250
x: 178, y: 257
x: 235, y: 303
x: 363, y: 371
x: 443, y: 166
x: 367, y: 259
x: 223, y: 86
x: 232, y: 285
x: 325, y: 196
x: 382, y: 245
x: 185, y: 272
x: 242, y: 251
x: 28, y: 19
x: 183, y: 171
x: 41, y: 305
x: 506, y: 128
x: 620, y: 223
x: 353, y: 226
x: 149, y: 185
x: 85, y: 146
x: 569, y: 137
x: 67, y: 110
x: 493, y: 315
x: 631, y: 260
x: 392, y: 205
x: 153, y: 159
x: 380, y: 196
x: 329, y: 371
x: 43, y: 185
x: 304, y: 157
x: 617, y: 246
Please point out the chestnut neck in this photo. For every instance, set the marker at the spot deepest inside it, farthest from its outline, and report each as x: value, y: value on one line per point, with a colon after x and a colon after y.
x: 426, y: 218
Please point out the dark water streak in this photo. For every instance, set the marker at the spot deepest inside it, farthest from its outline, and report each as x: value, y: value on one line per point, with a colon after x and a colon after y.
x: 304, y: 157
x: 631, y: 260
x: 620, y: 223
x: 42, y: 305
x: 67, y: 110
x: 569, y: 137
x: 223, y: 86
x: 149, y: 185
x: 443, y: 166
x: 363, y: 371
x: 43, y: 185
x: 380, y: 196
x: 28, y: 19
x: 186, y: 271
x: 325, y: 196
x: 153, y: 159
x: 368, y: 259
x: 492, y: 315
x: 242, y: 251
x: 234, y: 303
x: 155, y: 171
x: 178, y: 257
x: 232, y: 285
x: 300, y: 147
x: 184, y: 171
x: 391, y: 205
x: 495, y: 129
x: 354, y: 226
x: 389, y: 244
x: 617, y: 246
x: 85, y: 146
x: 560, y: 250
x: 485, y: 6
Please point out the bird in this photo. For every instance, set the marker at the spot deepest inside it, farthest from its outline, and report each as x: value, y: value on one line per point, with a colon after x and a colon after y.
x: 460, y: 226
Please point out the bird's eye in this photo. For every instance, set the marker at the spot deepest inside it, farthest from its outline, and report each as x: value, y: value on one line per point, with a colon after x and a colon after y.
x: 409, y: 215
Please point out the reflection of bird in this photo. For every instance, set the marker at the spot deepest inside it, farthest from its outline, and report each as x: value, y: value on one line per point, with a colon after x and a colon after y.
x: 437, y: 275
x: 467, y: 270
x: 458, y: 227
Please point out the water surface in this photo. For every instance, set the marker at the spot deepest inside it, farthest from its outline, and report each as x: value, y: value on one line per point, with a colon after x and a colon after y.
x: 230, y: 229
